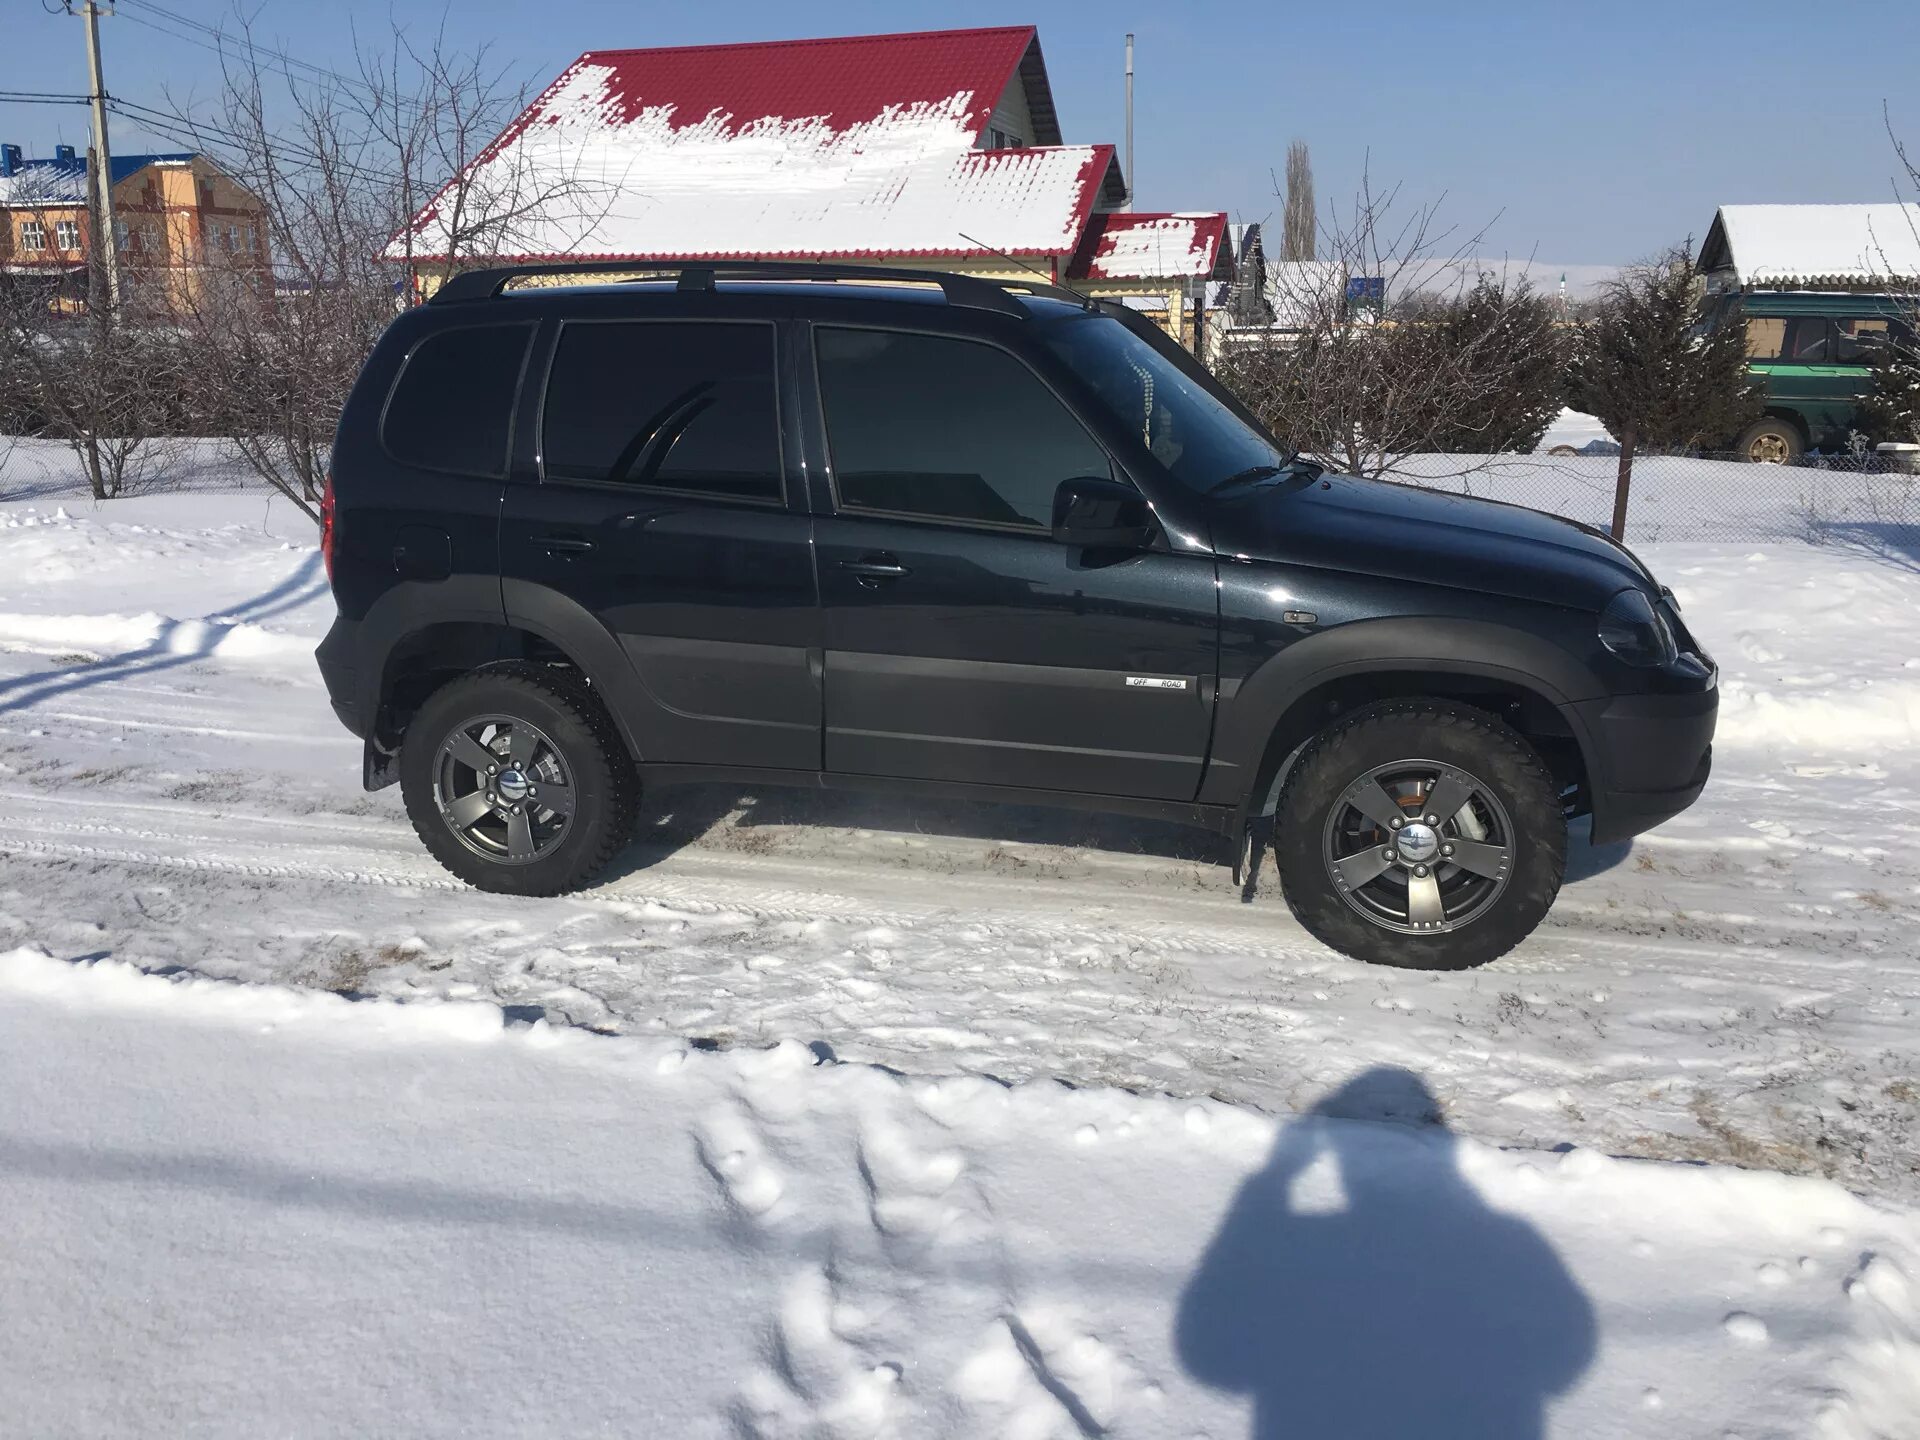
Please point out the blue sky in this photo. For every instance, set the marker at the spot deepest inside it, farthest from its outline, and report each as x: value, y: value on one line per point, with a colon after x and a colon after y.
x: 1595, y: 131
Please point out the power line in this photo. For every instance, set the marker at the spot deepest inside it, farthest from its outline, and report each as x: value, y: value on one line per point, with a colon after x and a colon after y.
x: 186, y: 132
x: 217, y: 40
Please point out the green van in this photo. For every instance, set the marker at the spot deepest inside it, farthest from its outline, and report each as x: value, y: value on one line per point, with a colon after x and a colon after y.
x: 1813, y: 353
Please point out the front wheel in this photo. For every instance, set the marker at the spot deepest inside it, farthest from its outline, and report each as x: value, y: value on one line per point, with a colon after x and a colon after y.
x: 1420, y: 834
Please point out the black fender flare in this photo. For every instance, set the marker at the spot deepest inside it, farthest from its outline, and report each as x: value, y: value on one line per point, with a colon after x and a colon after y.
x: 404, y: 610
x: 498, y: 604
x: 575, y: 630
x: 1251, y: 714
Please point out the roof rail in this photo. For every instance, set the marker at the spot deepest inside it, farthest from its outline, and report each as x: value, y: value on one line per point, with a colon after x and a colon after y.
x: 962, y: 290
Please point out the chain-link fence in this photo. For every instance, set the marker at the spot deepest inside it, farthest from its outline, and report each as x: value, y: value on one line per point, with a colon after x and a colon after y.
x: 35, y: 469
x: 1857, y: 499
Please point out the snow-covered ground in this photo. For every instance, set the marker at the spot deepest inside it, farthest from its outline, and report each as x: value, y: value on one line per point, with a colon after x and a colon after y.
x: 257, y: 1196
x: 240, y: 1210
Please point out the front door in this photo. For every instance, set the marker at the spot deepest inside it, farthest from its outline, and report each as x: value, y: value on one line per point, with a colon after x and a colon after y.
x: 659, y: 510
x: 963, y: 642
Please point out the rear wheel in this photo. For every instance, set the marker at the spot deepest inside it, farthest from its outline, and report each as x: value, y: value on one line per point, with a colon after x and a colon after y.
x: 1770, y: 441
x: 515, y: 781
x: 1420, y: 834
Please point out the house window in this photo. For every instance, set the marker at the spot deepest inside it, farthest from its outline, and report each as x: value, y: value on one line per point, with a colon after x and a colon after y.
x: 998, y: 139
x: 253, y: 241
x: 66, y: 234
x: 33, y: 235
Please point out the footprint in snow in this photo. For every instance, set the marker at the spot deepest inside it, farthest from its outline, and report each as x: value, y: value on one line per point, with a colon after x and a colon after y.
x: 1039, y: 1367
x: 1747, y: 1329
x: 730, y: 1148
x: 815, y: 1381
x: 910, y: 1189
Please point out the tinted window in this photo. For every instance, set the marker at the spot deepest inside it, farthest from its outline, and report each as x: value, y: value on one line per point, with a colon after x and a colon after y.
x: 676, y: 406
x: 452, y: 406
x: 928, y: 425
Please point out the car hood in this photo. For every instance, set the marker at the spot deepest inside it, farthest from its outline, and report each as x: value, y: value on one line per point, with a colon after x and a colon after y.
x: 1403, y: 532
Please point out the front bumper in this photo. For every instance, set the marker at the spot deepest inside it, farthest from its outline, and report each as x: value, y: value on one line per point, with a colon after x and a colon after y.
x: 1648, y: 758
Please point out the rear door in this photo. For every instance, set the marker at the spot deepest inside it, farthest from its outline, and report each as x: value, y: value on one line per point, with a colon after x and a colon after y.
x: 656, y: 510
x: 963, y: 643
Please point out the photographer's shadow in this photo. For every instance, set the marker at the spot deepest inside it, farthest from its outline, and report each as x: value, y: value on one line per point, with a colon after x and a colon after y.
x: 1360, y: 1288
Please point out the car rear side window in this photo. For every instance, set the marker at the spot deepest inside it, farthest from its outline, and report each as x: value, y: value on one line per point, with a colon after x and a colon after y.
x: 452, y: 407
x: 1864, y: 339
x: 667, y: 405
x: 947, y: 428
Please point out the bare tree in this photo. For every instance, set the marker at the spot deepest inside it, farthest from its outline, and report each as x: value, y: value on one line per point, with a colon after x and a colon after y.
x: 342, y: 167
x: 1300, y: 219
x: 101, y: 385
x: 1395, y: 345
x: 1891, y: 410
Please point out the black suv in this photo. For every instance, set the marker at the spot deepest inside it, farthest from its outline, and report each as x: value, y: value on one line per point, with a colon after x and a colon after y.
x: 832, y: 526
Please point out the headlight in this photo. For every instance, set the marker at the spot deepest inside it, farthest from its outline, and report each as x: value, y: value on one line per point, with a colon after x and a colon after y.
x: 1636, y: 632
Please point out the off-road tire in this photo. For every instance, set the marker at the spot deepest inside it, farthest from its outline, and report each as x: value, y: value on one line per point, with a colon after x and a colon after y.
x: 606, y: 791
x: 1451, y: 734
x: 1781, y: 437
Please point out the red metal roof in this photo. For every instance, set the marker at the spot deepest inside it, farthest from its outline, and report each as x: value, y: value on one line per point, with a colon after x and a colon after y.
x: 1142, y: 245
x: 860, y: 146
x: 845, y: 80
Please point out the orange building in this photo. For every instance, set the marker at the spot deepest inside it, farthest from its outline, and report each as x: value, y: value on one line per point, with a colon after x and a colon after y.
x: 180, y: 218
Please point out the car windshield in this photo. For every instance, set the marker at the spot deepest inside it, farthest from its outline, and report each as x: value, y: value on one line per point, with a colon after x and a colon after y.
x: 1200, y: 441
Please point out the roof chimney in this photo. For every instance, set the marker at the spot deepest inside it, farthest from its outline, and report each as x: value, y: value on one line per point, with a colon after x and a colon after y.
x: 63, y: 154
x: 9, y: 160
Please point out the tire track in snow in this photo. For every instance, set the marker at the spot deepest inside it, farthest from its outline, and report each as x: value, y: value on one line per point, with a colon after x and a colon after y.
x: 780, y: 906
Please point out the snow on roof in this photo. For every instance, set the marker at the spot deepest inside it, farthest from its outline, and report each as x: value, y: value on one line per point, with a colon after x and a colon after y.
x: 64, y: 182
x: 1814, y: 244
x: 860, y: 146
x: 1141, y: 246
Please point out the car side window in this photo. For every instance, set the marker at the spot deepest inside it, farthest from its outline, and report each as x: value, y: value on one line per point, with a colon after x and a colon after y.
x: 1810, y: 340
x: 451, y: 408
x: 667, y: 405
x: 1862, y: 339
x: 1766, y: 334
x: 1802, y: 339
x: 946, y: 428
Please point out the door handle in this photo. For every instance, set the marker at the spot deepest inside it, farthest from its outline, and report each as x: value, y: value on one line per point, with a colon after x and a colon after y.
x: 870, y: 569
x: 563, y: 544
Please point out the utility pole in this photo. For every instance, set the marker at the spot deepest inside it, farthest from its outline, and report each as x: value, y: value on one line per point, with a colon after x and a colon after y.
x: 1129, y: 120
x: 100, y: 163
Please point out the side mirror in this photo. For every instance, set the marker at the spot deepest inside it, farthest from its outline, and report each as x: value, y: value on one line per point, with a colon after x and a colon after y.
x: 1101, y: 514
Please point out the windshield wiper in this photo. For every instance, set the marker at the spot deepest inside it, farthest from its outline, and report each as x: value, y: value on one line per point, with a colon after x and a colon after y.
x: 1247, y: 477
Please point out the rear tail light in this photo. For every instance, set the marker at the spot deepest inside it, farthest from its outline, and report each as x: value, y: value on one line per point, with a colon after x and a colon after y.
x: 326, y: 525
